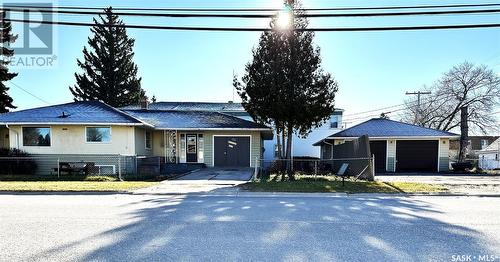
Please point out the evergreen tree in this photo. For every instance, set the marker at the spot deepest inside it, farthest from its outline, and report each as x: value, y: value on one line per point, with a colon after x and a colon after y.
x: 6, y: 38
x: 284, y: 84
x: 109, y: 73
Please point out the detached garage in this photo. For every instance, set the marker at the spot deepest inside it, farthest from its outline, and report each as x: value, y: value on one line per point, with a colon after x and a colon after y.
x: 397, y: 146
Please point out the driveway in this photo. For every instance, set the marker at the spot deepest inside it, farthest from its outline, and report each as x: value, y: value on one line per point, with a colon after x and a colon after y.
x: 460, y: 184
x: 51, y: 227
x: 213, y: 180
x: 219, y: 175
x: 442, y: 179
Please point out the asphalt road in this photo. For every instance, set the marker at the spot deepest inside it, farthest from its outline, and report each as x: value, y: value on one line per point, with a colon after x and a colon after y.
x: 216, y: 228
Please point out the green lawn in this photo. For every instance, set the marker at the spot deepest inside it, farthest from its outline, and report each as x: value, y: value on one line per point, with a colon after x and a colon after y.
x: 72, y: 186
x: 308, y: 184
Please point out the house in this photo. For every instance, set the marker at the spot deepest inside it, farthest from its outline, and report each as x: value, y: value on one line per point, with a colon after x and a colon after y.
x: 474, y: 144
x: 95, y: 129
x: 301, y: 146
x: 397, y: 146
x: 489, y: 157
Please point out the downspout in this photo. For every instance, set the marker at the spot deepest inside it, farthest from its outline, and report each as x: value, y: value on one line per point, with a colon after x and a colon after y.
x: 17, y: 135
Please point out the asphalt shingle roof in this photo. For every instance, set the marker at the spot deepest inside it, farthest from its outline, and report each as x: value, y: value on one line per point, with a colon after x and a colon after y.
x: 191, y: 106
x: 91, y: 112
x: 174, y: 119
x: 380, y: 127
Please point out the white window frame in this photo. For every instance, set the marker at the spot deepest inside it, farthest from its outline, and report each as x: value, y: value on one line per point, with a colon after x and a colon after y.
x: 146, y: 140
x: 330, y: 122
x: 99, y: 143
x: 22, y: 135
x: 113, y: 166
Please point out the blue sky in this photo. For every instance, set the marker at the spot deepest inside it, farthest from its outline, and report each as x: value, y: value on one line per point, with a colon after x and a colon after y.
x: 374, y: 69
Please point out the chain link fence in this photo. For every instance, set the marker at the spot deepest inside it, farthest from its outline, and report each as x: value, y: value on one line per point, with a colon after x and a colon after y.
x: 68, y: 166
x: 361, y: 168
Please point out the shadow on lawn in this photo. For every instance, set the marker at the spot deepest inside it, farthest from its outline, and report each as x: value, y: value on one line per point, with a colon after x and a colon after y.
x: 198, y: 228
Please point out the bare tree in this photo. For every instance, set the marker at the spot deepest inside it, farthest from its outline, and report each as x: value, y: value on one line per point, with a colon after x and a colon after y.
x: 465, y: 85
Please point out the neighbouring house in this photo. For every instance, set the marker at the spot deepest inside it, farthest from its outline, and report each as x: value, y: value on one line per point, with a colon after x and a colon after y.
x: 489, y: 157
x: 94, y: 129
x: 474, y: 145
x: 302, y: 147
x: 397, y: 146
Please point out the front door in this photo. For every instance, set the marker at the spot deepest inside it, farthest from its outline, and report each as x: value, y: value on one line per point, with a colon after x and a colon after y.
x: 191, y: 149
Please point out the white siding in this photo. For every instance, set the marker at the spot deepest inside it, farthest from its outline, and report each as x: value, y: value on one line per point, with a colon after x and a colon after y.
x: 391, y: 155
x: 443, y: 157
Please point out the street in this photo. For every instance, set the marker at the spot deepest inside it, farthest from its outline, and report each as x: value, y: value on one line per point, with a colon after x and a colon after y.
x: 123, y: 227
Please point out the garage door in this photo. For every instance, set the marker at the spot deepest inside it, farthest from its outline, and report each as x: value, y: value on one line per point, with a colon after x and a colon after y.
x: 379, y: 149
x: 231, y: 151
x: 413, y: 155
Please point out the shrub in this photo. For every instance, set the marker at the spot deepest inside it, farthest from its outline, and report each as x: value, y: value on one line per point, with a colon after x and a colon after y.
x: 16, y: 162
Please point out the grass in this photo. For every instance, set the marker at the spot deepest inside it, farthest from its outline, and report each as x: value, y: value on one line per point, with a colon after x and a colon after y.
x: 309, y: 184
x: 53, y: 186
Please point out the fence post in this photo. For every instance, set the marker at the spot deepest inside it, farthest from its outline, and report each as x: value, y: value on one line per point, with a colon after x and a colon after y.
x: 373, y: 165
x: 58, y: 167
x: 315, y: 168
x: 256, y: 169
x: 120, y: 168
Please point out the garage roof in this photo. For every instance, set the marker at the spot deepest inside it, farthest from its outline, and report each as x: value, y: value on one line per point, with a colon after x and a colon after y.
x: 386, y: 128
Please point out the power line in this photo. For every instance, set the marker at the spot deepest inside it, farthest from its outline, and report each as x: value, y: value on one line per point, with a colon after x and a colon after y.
x: 242, y: 29
x: 258, y: 9
x: 29, y: 93
x: 185, y: 15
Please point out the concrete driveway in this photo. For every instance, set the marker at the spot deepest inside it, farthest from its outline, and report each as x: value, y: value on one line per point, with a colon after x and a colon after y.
x: 219, y: 175
x: 459, y: 184
x: 442, y: 179
x: 213, y: 180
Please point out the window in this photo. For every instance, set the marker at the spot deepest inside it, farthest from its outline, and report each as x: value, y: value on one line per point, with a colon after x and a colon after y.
x: 334, y: 121
x: 191, y: 144
x: 98, y: 134
x: 148, y: 140
x: 182, y: 148
x: 484, y: 143
x: 36, y: 136
x: 200, y: 148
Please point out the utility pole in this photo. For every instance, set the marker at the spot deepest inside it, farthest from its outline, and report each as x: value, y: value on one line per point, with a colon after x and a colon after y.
x: 464, y: 133
x: 417, y: 112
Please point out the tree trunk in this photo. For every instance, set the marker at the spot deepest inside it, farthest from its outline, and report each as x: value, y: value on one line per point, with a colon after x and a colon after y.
x: 464, y: 134
x: 289, y: 167
x: 278, y: 143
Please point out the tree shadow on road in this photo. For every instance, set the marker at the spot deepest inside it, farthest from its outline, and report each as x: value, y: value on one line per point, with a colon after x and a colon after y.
x: 197, y: 228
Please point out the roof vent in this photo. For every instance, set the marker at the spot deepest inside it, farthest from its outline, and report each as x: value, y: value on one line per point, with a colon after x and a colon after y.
x: 64, y: 115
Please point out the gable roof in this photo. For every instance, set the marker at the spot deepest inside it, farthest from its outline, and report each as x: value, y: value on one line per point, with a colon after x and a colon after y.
x: 381, y: 127
x: 493, y: 147
x: 82, y: 112
x: 193, y: 120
